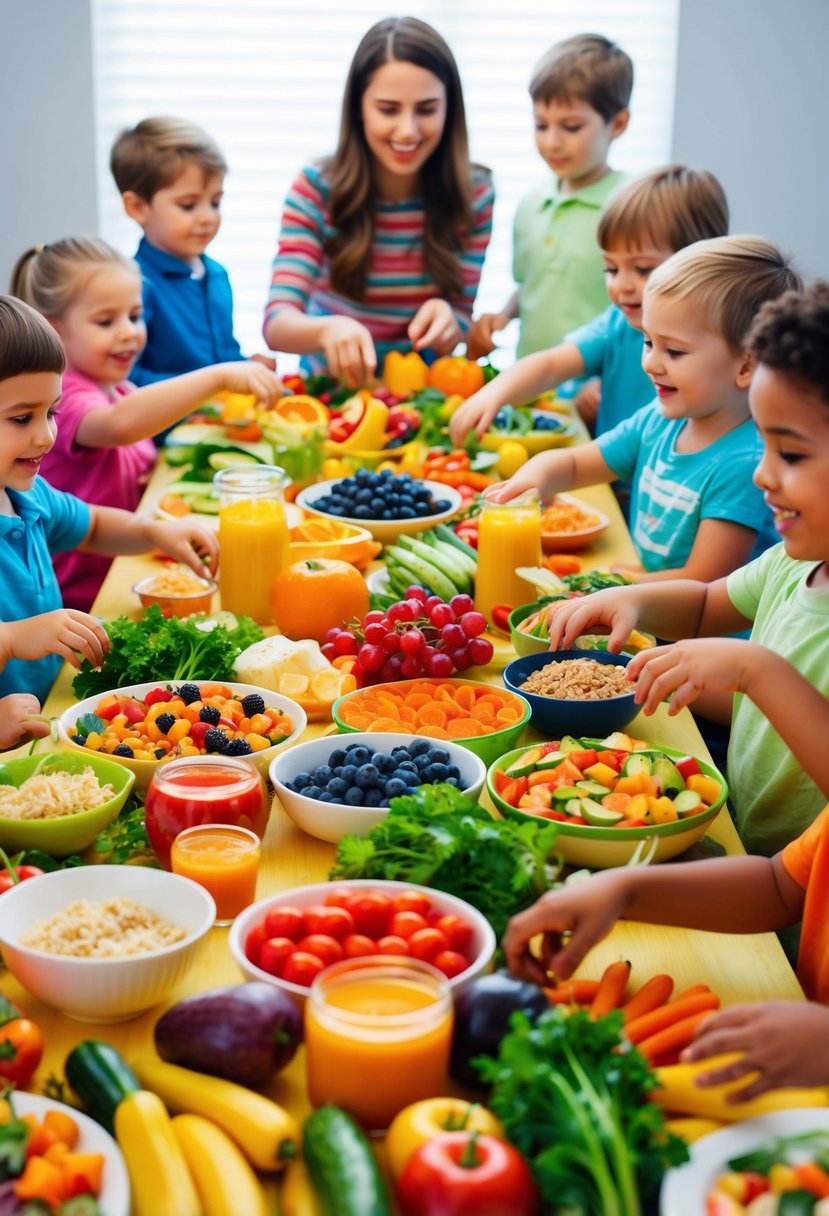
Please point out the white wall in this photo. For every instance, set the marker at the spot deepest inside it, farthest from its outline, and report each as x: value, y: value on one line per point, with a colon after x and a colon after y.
x: 47, y: 138
x: 752, y: 105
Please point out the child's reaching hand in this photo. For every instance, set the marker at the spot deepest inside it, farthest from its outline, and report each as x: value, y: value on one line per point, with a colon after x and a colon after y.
x: 687, y: 668
x: 435, y: 326
x: 479, y: 338
x: 787, y: 1041
x: 618, y: 610
x: 18, y: 718
x: 66, y: 632
x: 188, y: 542
x: 251, y: 376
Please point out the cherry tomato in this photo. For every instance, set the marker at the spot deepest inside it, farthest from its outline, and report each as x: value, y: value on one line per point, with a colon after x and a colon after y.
x: 274, y: 953
x: 456, y: 931
x: 357, y: 945
x: 285, y: 921
x: 21, y: 1050
x: 450, y: 962
x: 426, y: 943
x: 392, y: 945
x: 323, y: 946
x: 340, y: 896
x: 404, y: 924
x: 371, y: 911
x: 301, y: 968
x: 254, y: 942
x: 335, y: 921
x: 28, y: 872
x: 413, y: 901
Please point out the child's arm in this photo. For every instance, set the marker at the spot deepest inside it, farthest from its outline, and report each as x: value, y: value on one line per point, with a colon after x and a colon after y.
x: 479, y: 340
x: 553, y: 472
x: 19, y: 714
x: 522, y: 382
x: 149, y: 410
x: 786, y: 1041
x: 346, y: 344
x: 113, y: 532
x: 720, y: 547
x: 728, y: 895
x: 65, y: 632
x: 681, y: 609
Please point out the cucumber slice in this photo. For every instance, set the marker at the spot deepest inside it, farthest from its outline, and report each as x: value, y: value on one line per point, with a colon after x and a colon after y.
x: 566, y: 793
x: 594, y: 788
x: 226, y: 460
x: 599, y: 816
x: 667, y: 775
x: 687, y: 802
x: 525, y: 764
x: 637, y: 762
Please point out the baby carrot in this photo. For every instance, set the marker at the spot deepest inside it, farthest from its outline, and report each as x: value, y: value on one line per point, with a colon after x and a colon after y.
x: 673, y: 1037
x: 666, y: 1015
x: 573, y: 992
x: 694, y: 990
x: 813, y: 1178
x: 650, y: 996
x: 611, y: 990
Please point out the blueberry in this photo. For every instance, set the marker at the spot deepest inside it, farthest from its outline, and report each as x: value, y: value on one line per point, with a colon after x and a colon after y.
x: 383, y: 763
x: 406, y: 513
x: 300, y: 781
x: 80, y: 740
x: 354, y: 796
x: 436, y: 772
x: 323, y: 774
x: 453, y: 781
x: 367, y: 776
x: 372, y: 797
x: 385, y: 801
x: 325, y: 796
x: 400, y: 752
x: 362, y: 513
x: 395, y: 787
x: 422, y: 762
x: 361, y: 754
x: 312, y: 791
x: 337, y: 758
x: 378, y: 506
x: 453, y: 773
x: 420, y: 747
x: 337, y: 787
x: 440, y: 755
x: 348, y: 773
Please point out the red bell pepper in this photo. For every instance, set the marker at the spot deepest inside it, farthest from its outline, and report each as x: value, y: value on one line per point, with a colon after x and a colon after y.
x: 688, y: 766
x: 466, y: 1174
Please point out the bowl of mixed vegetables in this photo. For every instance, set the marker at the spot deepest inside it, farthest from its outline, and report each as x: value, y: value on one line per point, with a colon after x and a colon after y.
x: 529, y: 624
x: 537, y: 429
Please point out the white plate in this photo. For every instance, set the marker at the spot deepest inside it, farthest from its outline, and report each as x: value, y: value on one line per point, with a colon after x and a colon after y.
x: 684, y: 1189
x: 114, y: 1199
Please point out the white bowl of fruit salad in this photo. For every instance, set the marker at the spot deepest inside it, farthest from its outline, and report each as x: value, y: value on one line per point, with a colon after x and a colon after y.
x: 144, y: 725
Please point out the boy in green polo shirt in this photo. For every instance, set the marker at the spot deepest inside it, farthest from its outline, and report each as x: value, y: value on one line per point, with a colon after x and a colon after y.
x: 580, y: 92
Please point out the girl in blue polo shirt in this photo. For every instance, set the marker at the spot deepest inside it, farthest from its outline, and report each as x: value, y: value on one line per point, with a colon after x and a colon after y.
x: 36, y: 521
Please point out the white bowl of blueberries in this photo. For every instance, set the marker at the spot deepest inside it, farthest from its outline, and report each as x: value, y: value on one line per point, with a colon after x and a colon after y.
x: 343, y: 784
x: 388, y: 504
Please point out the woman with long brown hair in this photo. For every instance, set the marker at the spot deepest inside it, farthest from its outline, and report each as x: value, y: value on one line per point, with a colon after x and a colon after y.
x: 382, y: 244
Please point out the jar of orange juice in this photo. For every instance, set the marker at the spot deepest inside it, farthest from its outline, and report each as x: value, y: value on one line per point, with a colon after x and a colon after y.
x: 509, y: 536
x: 224, y: 859
x: 253, y: 536
x: 377, y: 1036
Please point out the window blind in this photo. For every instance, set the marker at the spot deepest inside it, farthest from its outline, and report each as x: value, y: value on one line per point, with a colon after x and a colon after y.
x: 265, y: 78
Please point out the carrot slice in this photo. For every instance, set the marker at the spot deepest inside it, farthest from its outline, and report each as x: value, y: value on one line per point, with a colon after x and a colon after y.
x: 434, y: 732
x: 432, y: 715
x: 465, y: 728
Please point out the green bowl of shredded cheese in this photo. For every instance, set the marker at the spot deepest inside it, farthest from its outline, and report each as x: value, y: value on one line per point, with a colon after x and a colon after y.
x: 59, y: 802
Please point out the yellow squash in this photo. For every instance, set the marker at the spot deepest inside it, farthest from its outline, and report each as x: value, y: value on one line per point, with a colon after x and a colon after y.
x: 265, y: 1133
x: 160, y: 1181
x: 298, y: 1197
x: 226, y: 1184
x: 679, y: 1094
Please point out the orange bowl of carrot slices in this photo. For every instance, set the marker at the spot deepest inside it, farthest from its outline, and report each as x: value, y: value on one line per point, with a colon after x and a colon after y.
x: 482, y: 717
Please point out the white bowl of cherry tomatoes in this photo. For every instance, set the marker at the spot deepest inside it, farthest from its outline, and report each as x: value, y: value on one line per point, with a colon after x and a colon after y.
x: 288, y: 938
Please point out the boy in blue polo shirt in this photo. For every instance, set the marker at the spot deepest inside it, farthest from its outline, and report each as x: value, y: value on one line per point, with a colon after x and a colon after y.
x: 171, y: 176
x: 580, y: 92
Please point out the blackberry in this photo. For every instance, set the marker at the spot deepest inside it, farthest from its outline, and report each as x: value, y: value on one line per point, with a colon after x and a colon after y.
x: 79, y: 739
x: 237, y: 747
x: 165, y: 721
x: 189, y: 693
x: 215, y: 740
x: 253, y: 704
x: 123, y: 749
x: 208, y: 713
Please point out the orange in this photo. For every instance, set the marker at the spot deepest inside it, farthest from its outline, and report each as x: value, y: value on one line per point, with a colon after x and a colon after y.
x: 310, y: 597
x: 301, y: 409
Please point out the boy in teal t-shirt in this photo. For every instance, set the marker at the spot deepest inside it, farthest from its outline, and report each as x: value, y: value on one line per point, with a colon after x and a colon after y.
x: 580, y: 92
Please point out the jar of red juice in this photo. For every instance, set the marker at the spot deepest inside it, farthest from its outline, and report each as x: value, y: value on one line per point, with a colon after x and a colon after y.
x: 206, y: 789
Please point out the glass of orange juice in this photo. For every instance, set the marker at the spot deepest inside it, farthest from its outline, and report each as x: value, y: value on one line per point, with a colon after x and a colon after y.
x: 509, y: 536
x: 222, y: 858
x: 377, y: 1036
x: 253, y: 536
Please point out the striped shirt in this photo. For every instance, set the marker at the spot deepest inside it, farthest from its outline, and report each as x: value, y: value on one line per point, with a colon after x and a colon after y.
x: 397, y: 282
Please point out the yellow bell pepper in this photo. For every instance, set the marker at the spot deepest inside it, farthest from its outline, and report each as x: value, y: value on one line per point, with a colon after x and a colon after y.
x: 424, y: 1120
x: 404, y: 375
x: 679, y: 1093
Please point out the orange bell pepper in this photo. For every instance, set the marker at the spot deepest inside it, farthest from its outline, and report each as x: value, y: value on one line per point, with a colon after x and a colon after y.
x: 82, y: 1173
x: 41, y: 1179
x: 455, y: 374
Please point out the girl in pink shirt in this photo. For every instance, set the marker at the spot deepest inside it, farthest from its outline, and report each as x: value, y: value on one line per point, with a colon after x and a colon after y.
x: 91, y: 295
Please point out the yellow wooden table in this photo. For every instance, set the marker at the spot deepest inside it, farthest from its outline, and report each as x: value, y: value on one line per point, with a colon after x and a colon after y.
x: 738, y: 968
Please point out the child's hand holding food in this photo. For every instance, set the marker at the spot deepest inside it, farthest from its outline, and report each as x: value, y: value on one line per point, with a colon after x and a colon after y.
x: 617, y: 609
x: 66, y: 632
x: 685, y: 669
x: 188, y: 542
x: 19, y: 717
x: 252, y: 376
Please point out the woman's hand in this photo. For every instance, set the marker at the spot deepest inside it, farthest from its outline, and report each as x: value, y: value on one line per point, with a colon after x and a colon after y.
x: 254, y: 377
x: 786, y: 1041
x: 586, y: 911
x: 687, y: 668
x: 18, y: 719
x: 349, y: 351
x: 189, y: 543
x: 617, y: 610
x: 479, y: 339
x: 70, y: 634
x: 435, y: 325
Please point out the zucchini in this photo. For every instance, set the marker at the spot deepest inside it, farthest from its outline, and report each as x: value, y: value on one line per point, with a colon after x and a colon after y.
x: 101, y: 1078
x: 343, y: 1170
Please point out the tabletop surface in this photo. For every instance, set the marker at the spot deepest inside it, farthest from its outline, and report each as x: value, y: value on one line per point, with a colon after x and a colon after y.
x: 738, y: 968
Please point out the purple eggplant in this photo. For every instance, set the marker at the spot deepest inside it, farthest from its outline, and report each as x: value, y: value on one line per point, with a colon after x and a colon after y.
x: 483, y: 1009
x: 245, y: 1032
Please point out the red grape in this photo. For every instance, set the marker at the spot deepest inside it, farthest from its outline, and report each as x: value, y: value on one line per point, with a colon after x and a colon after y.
x: 375, y: 617
x: 401, y: 611
x: 375, y: 632
x: 329, y: 650
x: 391, y: 642
x: 439, y: 665
x: 461, y: 604
x: 417, y: 593
x: 452, y: 636
x: 461, y: 657
x: 346, y: 643
x: 412, y: 641
x: 371, y: 657
x: 441, y: 615
x: 391, y: 669
x: 411, y: 667
x: 473, y: 624
x: 333, y: 634
x: 480, y: 650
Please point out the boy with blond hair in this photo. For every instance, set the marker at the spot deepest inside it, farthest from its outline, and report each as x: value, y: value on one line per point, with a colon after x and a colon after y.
x: 580, y: 92
x: 170, y: 174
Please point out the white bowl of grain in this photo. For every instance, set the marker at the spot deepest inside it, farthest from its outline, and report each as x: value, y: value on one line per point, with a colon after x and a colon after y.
x: 103, y: 943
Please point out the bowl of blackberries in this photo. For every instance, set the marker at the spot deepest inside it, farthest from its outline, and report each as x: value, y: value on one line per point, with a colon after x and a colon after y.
x: 388, y: 504
x: 334, y: 786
